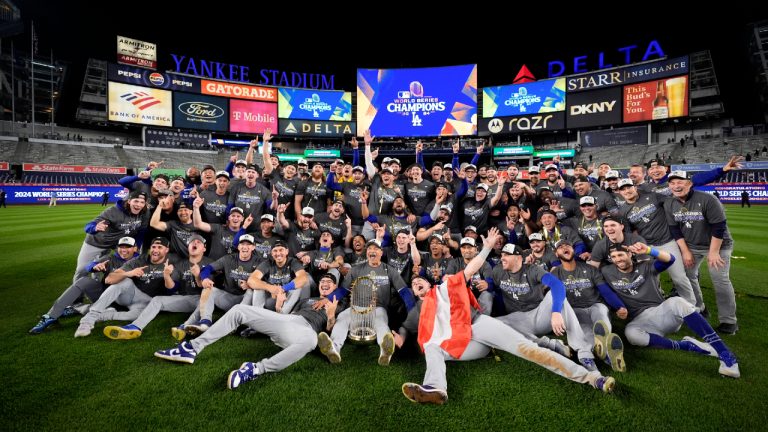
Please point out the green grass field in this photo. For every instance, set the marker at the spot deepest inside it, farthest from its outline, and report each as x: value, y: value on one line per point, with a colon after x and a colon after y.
x: 55, y: 382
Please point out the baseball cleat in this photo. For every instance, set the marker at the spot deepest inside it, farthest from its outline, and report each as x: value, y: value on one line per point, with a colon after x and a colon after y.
x: 424, y: 394
x: 178, y: 333
x: 122, y: 333
x: 326, y: 347
x: 600, y: 329
x: 615, y: 353
x: 387, y: 349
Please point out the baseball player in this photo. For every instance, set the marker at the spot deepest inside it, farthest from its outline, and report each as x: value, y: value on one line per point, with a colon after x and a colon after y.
x: 697, y: 222
x: 178, y: 231
x: 186, y: 275
x: 282, y: 277
x: 386, y: 278
x: 532, y: 312
x: 222, y: 236
x: 584, y: 286
x: 92, y: 287
x: 236, y: 269
x: 645, y: 215
x: 650, y: 316
x: 471, y: 334
x: 133, y: 285
x: 481, y: 280
x: 295, y: 333
x: 125, y: 219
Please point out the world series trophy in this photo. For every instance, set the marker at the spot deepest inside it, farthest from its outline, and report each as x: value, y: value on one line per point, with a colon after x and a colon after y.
x: 363, y: 310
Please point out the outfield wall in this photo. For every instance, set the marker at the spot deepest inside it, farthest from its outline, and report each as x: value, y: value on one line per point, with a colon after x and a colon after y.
x: 65, y: 194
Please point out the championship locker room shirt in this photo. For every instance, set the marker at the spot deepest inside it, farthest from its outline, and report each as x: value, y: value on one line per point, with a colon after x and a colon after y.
x: 639, y: 289
x: 695, y: 216
x: 522, y: 291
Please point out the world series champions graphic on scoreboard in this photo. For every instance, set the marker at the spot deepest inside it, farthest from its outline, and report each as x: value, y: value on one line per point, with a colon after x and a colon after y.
x: 418, y: 102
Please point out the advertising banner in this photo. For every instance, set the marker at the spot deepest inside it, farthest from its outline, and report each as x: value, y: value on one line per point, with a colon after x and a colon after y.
x: 4, y: 166
x: 65, y: 194
x: 149, y: 78
x: 200, y: 112
x: 616, y: 136
x: 239, y: 91
x: 418, y: 102
x: 730, y: 193
x: 520, y: 124
x: 754, y: 165
x: 322, y: 153
x: 316, y: 128
x: 252, y: 117
x: 594, y: 108
x: 512, y: 151
x: 656, y: 100
x: 628, y: 74
x: 567, y: 153
x: 140, y: 105
x: 305, y: 104
x: 136, y: 52
x: 529, y: 98
x: 73, y: 168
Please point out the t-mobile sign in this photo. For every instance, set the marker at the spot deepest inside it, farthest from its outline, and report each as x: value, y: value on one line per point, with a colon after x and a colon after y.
x: 252, y: 117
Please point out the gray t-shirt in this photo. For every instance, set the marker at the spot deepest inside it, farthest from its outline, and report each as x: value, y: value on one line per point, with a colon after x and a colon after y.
x: 214, y: 209
x: 386, y: 278
x: 639, y: 289
x: 152, y: 283
x: 647, y: 217
x: 179, y: 234
x: 695, y: 218
x: 314, y: 195
x: 120, y: 224
x: 338, y: 227
x: 182, y: 273
x: 221, y: 241
x: 274, y: 275
x: 316, y: 318
x: 234, y: 271
x: 251, y: 200
x: 600, y: 251
x: 381, y: 198
x: 417, y: 196
x: 580, y: 284
x: 590, y: 231
x: 522, y: 290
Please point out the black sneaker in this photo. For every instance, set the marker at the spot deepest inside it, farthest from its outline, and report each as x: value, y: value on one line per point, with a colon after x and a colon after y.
x: 727, y: 328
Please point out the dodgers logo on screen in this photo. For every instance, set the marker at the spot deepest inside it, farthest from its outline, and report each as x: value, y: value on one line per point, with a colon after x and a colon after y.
x: 522, y: 100
x: 412, y: 102
x: 315, y: 105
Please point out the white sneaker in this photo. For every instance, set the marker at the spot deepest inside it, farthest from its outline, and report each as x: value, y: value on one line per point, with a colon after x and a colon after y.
x: 702, y: 345
x: 83, y: 330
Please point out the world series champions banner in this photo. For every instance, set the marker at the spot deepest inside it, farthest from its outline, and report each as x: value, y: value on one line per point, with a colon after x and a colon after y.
x: 730, y: 193
x: 418, y: 102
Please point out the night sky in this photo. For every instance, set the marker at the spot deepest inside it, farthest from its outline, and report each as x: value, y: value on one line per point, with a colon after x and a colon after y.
x: 396, y: 37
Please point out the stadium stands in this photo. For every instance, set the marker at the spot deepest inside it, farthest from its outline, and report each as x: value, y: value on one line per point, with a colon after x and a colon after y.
x: 106, y: 155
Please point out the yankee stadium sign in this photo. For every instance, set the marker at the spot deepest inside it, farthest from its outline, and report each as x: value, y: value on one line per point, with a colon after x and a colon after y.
x: 232, y: 72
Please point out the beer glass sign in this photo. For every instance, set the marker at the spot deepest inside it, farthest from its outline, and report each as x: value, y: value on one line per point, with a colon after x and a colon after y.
x: 656, y: 100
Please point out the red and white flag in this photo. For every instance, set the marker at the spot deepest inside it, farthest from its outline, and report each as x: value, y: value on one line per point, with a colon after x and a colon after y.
x: 446, y: 316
